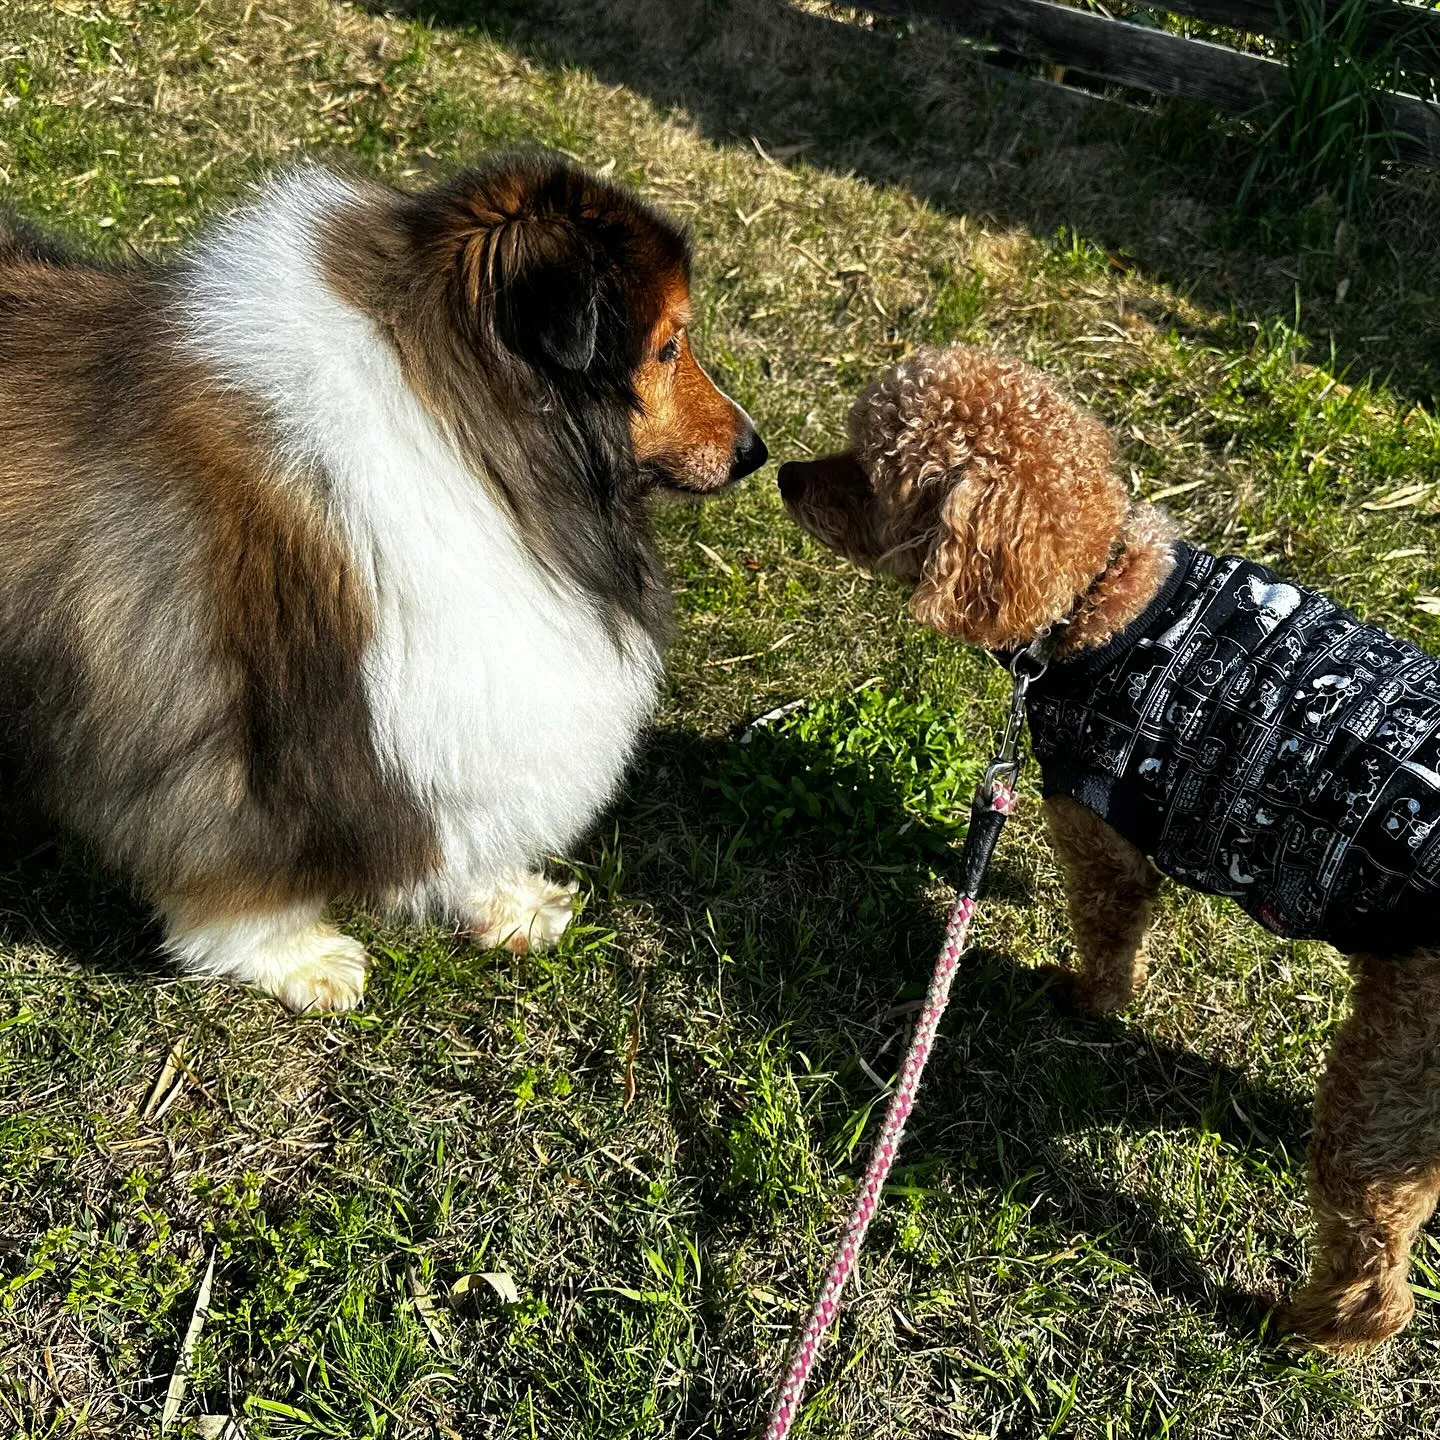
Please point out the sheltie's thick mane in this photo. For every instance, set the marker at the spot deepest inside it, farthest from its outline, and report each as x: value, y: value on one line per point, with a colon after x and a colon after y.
x: 486, y: 491
x: 519, y: 300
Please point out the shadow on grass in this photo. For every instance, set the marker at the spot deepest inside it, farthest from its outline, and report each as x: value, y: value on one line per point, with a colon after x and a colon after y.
x: 52, y: 897
x: 901, y: 104
x: 832, y: 918
x: 806, y: 865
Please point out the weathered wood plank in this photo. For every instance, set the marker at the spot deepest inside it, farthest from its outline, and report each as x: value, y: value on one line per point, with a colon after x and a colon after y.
x: 1113, y: 49
x: 1259, y: 17
x: 1152, y: 60
x: 1417, y: 128
x: 1414, y: 32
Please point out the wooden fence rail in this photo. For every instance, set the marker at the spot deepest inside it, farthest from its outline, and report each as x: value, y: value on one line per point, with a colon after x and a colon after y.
x: 1412, y: 32
x: 1165, y: 64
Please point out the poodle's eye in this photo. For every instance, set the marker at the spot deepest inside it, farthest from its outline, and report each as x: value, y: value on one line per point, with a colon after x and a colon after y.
x: 670, y: 350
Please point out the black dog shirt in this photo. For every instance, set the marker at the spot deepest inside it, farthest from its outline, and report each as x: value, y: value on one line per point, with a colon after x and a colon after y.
x: 1259, y: 742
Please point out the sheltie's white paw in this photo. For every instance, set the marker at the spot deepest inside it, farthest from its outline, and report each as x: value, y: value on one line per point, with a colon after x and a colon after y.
x: 525, y: 913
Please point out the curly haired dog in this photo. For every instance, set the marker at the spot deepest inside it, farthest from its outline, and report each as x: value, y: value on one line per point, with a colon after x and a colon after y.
x: 1201, y: 718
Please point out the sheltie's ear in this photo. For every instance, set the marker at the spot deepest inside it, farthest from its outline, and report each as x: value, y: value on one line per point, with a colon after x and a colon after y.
x: 552, y: 307
x: 536, y: 278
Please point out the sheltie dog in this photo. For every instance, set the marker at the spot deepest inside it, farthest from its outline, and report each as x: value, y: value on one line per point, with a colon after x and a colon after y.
x: 325, y: 568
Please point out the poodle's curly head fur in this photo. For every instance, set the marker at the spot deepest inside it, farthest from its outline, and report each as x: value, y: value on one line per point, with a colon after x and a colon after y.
x: 972, y: 478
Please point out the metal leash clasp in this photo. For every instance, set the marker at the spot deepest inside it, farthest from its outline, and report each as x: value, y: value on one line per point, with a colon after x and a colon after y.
x: 1026, y: 666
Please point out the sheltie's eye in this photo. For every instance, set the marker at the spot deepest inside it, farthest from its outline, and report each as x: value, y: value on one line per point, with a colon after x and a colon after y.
x: 670, y: 350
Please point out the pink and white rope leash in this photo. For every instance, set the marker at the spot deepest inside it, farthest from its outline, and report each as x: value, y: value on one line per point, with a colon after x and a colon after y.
x: 994, y: 801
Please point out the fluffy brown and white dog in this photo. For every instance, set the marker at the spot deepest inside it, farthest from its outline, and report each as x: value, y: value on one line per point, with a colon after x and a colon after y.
x: 1205, y: 719
x: 325, y: 569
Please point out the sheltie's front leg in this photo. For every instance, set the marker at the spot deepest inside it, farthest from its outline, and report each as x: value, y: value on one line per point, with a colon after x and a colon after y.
x: 520, y: 909
x: 286, y: 951
x: 523, y: 911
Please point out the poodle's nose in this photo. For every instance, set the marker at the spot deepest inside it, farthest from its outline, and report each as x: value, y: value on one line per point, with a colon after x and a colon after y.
x: 791, y: 479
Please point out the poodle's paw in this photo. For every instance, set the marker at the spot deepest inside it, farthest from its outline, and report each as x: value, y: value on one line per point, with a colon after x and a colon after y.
x: 1074, y: 994
x: 308, y: 966
x: 1348, y: 1317
x: 523, y: 914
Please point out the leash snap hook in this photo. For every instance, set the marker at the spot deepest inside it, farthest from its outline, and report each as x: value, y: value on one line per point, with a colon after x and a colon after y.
x: 998, y: 773
x: 1004, y: 768
x: 1025, y: 666
x: 1007, y: 757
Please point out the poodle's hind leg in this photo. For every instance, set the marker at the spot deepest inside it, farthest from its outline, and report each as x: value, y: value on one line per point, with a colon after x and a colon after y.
x: 1111, y: 887
x: 287, y: 952
x: 1374, y: 1160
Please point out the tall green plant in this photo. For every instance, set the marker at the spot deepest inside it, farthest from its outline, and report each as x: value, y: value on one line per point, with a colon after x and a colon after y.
x: 1332, y: 132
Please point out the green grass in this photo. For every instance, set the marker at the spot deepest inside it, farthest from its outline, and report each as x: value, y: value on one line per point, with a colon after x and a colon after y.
x: 647, y: 1139
x: 1331, y: 133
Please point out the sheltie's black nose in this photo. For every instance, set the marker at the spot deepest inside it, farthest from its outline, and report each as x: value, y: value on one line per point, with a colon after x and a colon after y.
x: 750, y: 454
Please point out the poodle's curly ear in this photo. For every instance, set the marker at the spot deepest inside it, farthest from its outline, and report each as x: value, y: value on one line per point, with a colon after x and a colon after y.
x: 1014, y: 547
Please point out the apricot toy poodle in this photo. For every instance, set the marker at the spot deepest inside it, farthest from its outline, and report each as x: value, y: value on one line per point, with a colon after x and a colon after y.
x: 1202, y: 718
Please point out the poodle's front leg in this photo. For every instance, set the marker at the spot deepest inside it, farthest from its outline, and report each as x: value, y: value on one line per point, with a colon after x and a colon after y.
x: 1111, y: 887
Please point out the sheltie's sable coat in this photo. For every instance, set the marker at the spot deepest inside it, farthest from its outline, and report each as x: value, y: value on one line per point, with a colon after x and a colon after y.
x: 324, y: 564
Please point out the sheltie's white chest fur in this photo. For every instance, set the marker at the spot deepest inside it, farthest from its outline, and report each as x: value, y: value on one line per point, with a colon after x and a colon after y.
x: 494, y: 688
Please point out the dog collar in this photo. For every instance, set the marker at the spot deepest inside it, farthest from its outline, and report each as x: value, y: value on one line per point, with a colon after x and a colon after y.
x: 1084, y: 662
